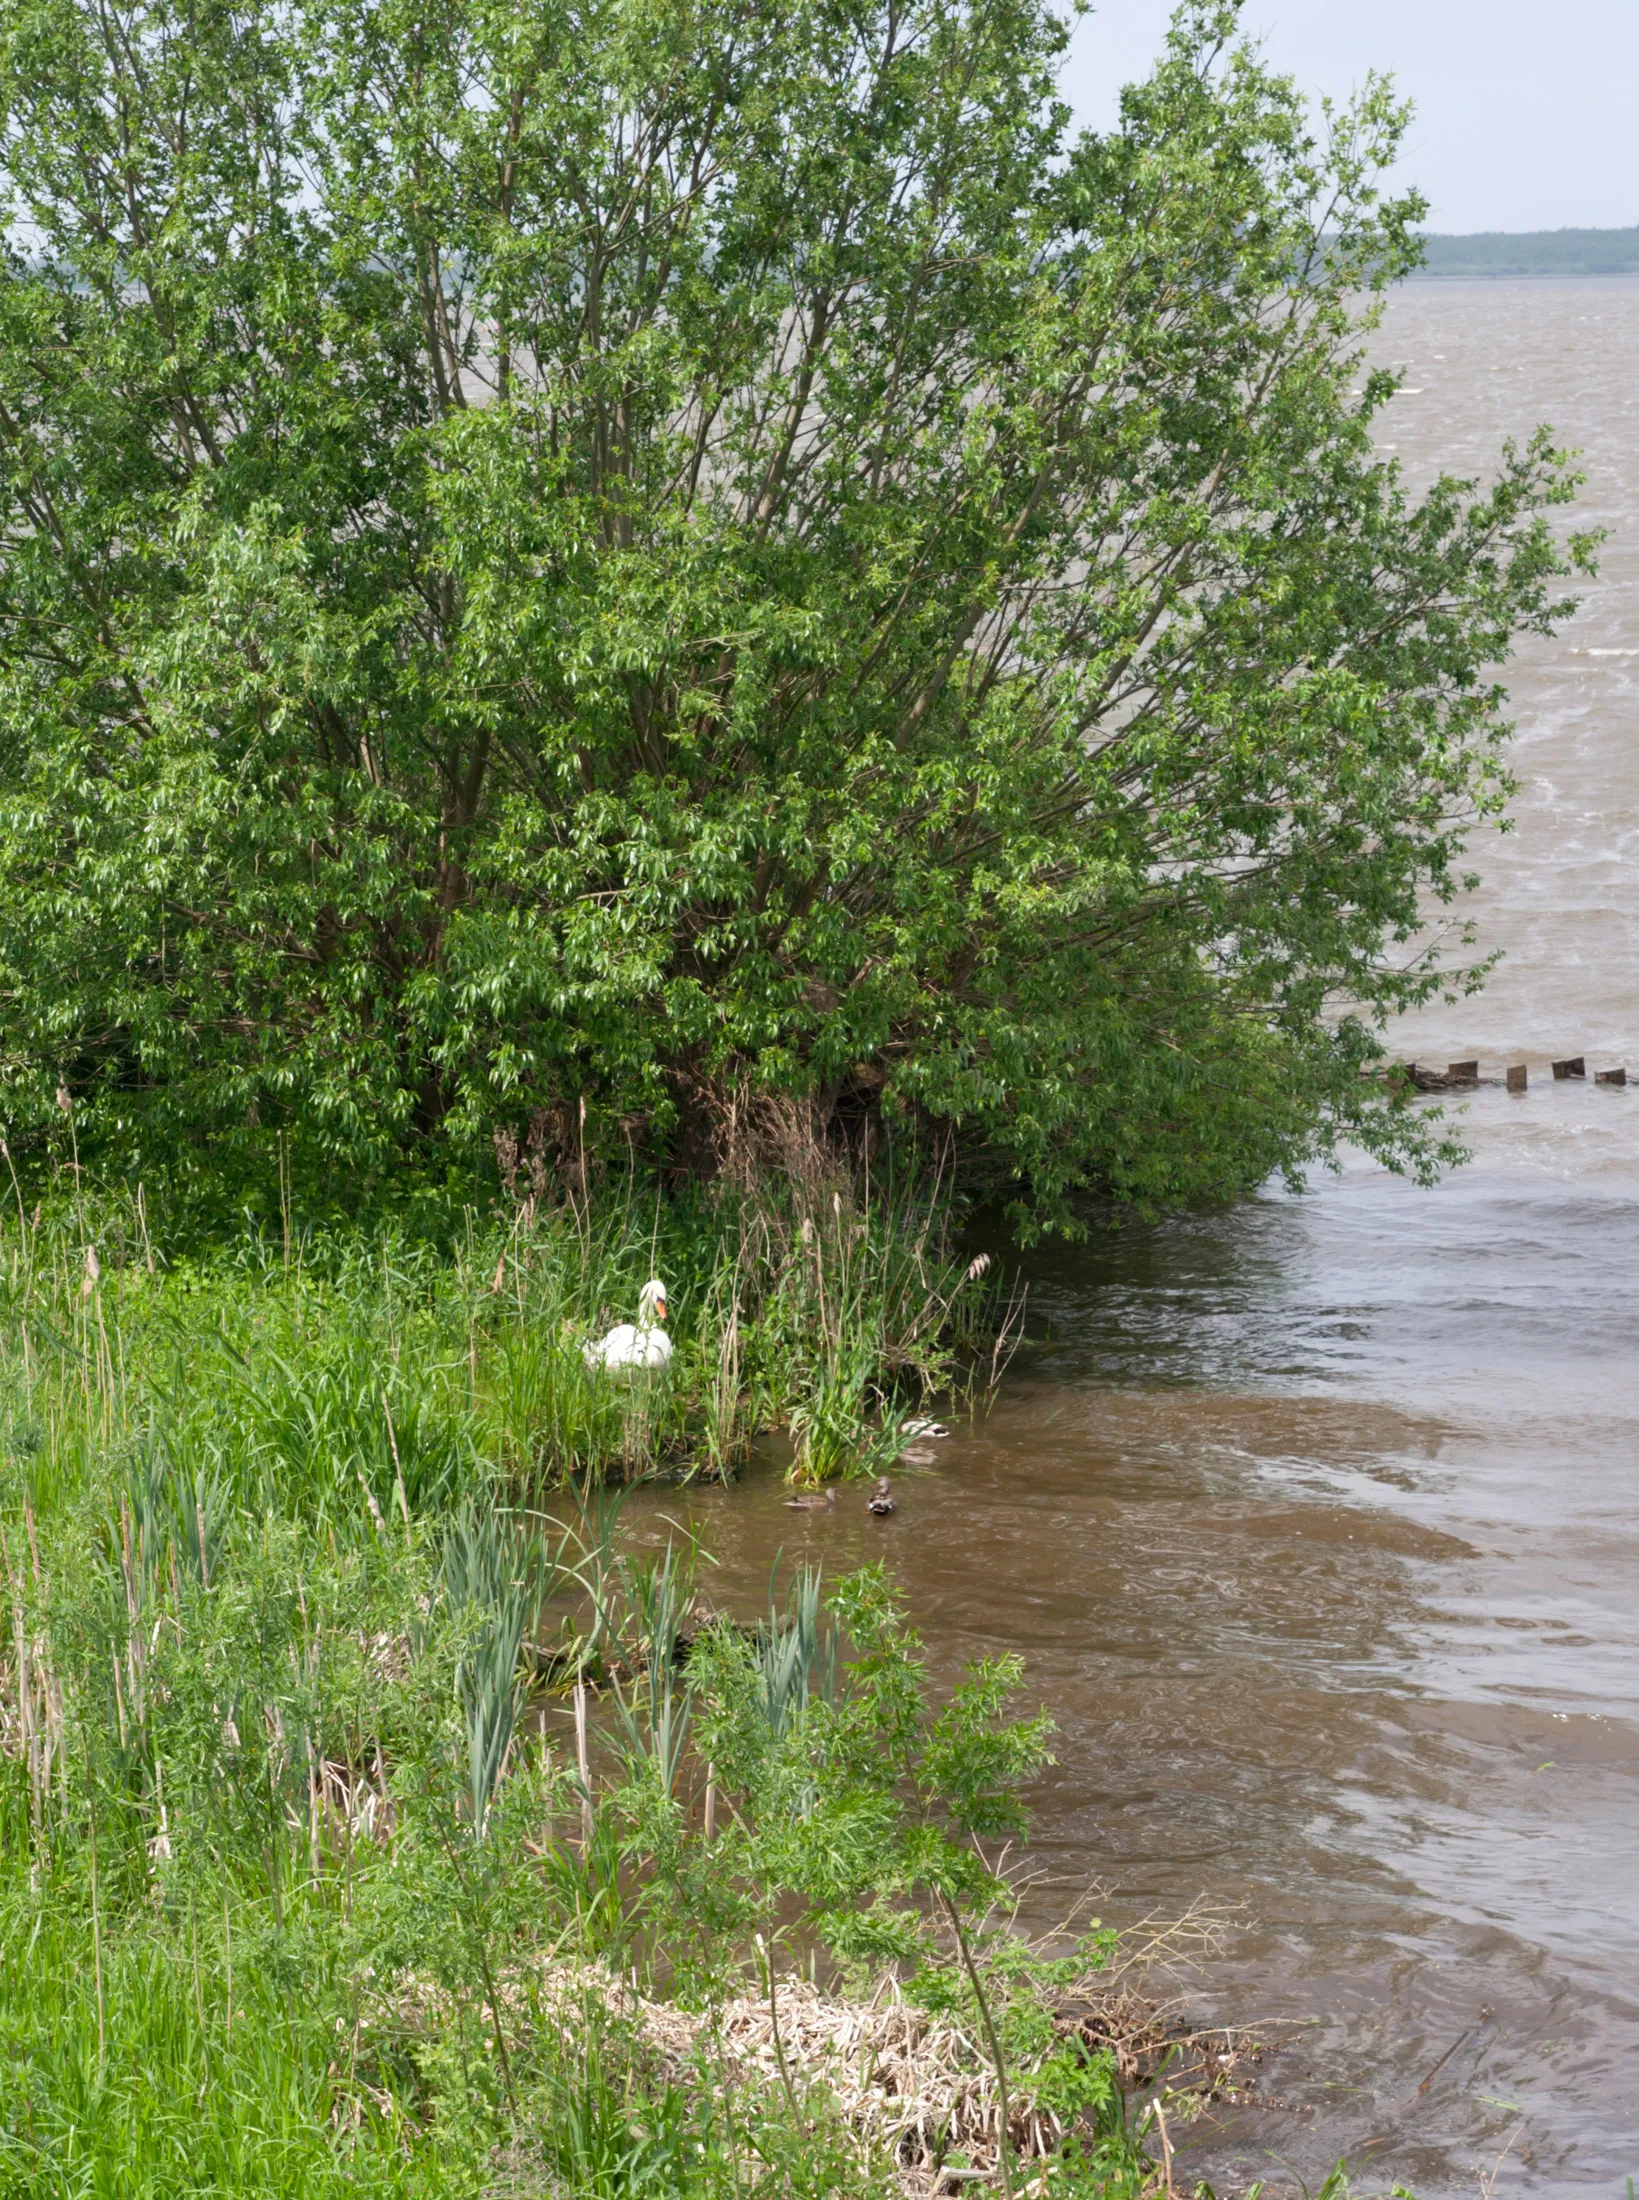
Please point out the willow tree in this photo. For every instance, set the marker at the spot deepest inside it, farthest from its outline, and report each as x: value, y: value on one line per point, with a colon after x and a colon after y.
x: 570, y: 560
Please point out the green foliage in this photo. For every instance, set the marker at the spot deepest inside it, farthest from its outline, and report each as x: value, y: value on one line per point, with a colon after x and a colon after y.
x: 370, y: 1383
x: 332, y: 1897
x: 498, y: 1577
x: 615, y: 2131
x: 277, y: 1648
x: 853, y: 1300
x: 614, y: 2143
x: 177, y: 2100
x: 862, y: 1800
x: 563, y: 573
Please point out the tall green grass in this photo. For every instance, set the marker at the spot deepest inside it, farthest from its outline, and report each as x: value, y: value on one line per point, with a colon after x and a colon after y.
x: 377, y: 1379
x: 126, y: 2072
x: 298, y: 1848
x: 294, y: 1881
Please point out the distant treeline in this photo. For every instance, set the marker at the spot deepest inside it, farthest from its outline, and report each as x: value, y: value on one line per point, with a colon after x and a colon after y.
x: 1537, y: 252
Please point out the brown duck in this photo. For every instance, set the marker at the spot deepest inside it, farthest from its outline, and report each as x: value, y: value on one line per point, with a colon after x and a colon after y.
x: 813, y: 1501
x: 881, y: 1499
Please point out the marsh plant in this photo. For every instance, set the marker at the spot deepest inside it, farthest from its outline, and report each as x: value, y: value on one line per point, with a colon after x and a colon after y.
x: 390, y: 1378
x: 327, y: 1855
x: 495, y: 1577
x: 375, y: 1814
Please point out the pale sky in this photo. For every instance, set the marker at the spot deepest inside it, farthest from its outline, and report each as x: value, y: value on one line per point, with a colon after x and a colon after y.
x: 1527, y: 110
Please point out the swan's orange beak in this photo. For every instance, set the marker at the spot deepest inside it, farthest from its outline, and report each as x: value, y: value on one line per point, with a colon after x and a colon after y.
x: 660, y: 1308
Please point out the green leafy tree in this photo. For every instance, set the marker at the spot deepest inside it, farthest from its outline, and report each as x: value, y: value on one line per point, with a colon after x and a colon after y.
x: 560, y: 564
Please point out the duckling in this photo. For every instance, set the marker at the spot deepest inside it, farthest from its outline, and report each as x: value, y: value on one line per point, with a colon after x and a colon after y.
x: 881, y: 1499
x: 813, y: 1501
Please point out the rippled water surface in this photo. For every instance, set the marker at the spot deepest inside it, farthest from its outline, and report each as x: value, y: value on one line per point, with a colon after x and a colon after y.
x: 1318, y: 1523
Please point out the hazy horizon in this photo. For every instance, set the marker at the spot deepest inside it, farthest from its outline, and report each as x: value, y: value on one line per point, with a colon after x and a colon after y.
x: 1518, y: 126
x: 1537, y: 229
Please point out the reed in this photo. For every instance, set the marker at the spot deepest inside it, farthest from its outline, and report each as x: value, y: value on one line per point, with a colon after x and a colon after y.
x: 796, y: 1654
x: 495, y: 1576
x: 309, y: 1880
x: 348, y: 1934
x: 366, y: 1382
x: 653, y: 1712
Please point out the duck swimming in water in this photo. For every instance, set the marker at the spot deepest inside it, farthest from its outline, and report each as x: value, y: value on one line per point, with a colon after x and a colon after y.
x: 813, y: 1501
x: 915, y: 1436
x: 634, y: 1346
x: 881, y: 1499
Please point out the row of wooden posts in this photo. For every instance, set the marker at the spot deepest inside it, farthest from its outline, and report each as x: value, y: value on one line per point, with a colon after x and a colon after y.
x: 1457, y: 1075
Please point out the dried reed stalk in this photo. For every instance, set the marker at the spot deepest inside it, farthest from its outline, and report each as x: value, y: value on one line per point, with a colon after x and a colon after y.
x: 910, y: 2087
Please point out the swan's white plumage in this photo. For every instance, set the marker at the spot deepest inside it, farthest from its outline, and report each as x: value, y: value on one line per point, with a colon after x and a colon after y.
x: 639, y: 1345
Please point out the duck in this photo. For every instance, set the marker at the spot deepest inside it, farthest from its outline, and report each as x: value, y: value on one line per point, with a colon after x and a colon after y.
x: 633, y: 1346
x: 813, y: 1501
x: 881, y: 1499
x: 923, y: 1432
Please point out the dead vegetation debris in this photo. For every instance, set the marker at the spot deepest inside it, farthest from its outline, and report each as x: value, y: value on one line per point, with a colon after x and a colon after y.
x: 913, y: 2088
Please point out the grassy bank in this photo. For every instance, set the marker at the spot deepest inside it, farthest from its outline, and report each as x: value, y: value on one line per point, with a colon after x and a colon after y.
x: 371, y: 1373
x: 365, y: 1831
x: 300, y: 1897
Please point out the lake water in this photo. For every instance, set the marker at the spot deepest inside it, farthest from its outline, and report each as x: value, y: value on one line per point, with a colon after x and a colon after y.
x: 1317, y: 1523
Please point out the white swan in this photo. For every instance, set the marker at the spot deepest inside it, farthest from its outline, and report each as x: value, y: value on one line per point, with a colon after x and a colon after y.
x: 639, y: 1344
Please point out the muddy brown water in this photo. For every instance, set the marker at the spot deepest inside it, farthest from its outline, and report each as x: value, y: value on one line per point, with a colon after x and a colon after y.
x: 1317, y: 1523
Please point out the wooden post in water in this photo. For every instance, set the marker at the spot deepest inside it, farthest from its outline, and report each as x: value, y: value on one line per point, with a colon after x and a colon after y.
x: 1575, y: 1067
x: 1463, y: 1073
x: 1610, y: 1076
x: 1516, y: 1078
